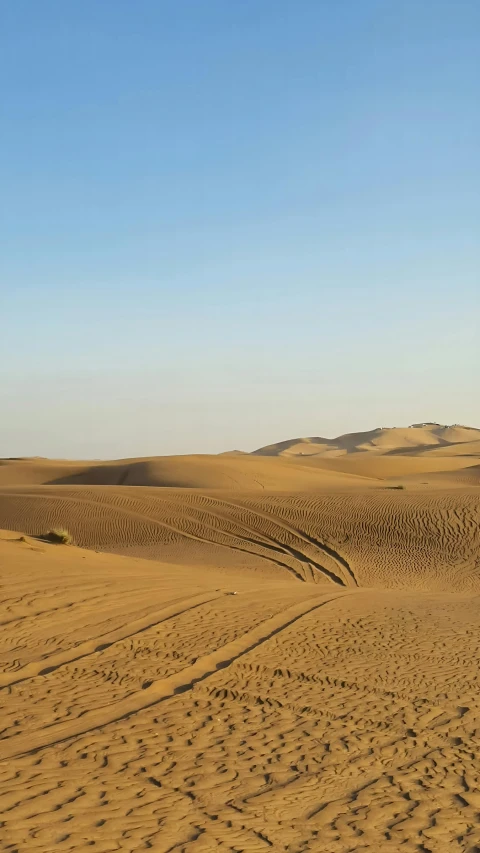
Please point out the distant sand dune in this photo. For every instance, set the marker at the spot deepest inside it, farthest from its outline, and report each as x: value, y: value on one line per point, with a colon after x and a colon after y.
x: 467, y: 449
x: 445, y: 479
x: 242, y: 472
x: 380, y: 440
x: 389, y: 467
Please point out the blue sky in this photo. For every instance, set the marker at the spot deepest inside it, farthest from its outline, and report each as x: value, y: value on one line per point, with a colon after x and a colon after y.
x: 229, y: 223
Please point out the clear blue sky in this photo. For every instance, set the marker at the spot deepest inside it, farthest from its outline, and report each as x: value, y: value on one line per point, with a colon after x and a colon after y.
x: 230, y: 222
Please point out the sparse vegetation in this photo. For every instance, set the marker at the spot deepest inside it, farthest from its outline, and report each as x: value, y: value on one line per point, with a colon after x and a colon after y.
x: 59, y: 535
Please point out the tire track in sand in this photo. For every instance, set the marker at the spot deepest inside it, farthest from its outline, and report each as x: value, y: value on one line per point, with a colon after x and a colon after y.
x: 98, y: 644
x: 166, y: 526
x: 337, y: 558
x: 260, y: 539
x: 165, y: 688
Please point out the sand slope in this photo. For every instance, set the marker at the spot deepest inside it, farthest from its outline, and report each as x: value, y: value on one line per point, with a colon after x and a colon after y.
x: 145, y: 707
x: 380, y: 537
x: 386, y: 467
x: 466, y: 448
x: 242, y: 471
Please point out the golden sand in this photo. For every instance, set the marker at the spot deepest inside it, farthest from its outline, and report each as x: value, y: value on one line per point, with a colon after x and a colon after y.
x: 294, y: 667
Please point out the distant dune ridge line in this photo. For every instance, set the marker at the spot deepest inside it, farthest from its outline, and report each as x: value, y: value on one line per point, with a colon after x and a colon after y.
x: 417, y: 438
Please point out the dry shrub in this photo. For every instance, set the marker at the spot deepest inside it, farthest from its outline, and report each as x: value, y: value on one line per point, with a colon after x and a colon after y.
x: 59, y: 535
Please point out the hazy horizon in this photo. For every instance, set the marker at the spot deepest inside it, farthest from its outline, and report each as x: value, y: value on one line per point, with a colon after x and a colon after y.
x: 227, y: 225
x: 271, y: 441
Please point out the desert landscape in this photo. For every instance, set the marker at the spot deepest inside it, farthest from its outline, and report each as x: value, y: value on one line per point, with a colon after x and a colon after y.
x: 267, y: 651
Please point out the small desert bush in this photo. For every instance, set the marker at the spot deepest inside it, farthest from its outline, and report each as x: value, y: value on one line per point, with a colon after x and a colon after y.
x: 59, y: 535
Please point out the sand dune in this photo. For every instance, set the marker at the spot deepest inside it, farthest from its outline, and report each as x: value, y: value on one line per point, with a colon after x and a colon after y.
x: 387, y: 467
x: 383, y: 538
x: 466, y: 448
x: 380, y: 440
x: 445, y: 479
x: 294, y: 667
x: 241, y: 471
x: 295, y: 465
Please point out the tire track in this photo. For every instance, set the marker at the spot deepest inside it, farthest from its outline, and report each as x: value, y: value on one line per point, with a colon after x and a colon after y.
x: 270, y: 543
x: 34, y: 614
x: 142, y: 517
x: 261, y: 540
x: 163, y: 689
x: 264, y: 540
x: 98, y: 644
x: 280, y: 522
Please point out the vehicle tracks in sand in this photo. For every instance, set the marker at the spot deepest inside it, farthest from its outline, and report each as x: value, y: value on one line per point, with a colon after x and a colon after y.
x: 178, y: 531
x: 102, y: 642
x: 310, y: 569
x: 337, y: 558
x: 166, y: 688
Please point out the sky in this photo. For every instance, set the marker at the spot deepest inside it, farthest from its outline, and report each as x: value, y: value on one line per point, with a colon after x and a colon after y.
x: 232, y: 222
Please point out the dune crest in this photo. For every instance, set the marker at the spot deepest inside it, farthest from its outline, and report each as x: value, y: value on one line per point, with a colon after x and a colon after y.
x: 380, y: 440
